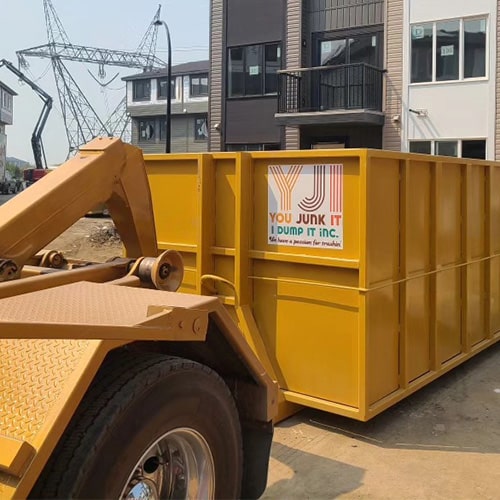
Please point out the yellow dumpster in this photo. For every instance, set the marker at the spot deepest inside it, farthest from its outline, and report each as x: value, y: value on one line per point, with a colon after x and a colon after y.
x: 357, y: 276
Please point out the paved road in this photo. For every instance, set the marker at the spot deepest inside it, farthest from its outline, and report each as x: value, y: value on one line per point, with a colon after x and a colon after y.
x: 441, y: 443
x: 5, y: 197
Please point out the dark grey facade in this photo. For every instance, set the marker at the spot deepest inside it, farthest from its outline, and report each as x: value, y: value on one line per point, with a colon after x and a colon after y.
x: 147, y: 101
x: 327, y: 90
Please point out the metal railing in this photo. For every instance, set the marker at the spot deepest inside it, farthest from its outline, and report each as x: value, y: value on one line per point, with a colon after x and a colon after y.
x: 324, y: 88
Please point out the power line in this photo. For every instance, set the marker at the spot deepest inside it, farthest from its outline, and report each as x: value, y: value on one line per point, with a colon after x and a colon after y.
x: 81, y: 120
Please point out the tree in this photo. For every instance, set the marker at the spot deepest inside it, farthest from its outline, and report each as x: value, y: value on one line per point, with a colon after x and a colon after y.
x: 14, y: 171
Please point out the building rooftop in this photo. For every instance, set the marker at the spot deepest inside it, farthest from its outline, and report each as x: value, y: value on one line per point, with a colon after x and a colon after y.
x: 7, y: 89
x: 188, y: 68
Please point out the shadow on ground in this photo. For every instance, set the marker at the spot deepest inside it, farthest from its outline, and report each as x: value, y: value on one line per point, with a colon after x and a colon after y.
x: 335, y: 477
x: 458, y: 412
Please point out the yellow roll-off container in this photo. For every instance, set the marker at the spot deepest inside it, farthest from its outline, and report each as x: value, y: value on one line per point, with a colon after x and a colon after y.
x: 357, y: 276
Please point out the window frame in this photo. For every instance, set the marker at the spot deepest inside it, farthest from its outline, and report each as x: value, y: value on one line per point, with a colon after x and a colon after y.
x: 200, y: 76
x: 263, y: 66
x: 376, y: 31
x: 461, y: 44
x: 152, y: 122
x: 433, y: 143
x: 173, y: 88
x: 195, y: 120
x: 135, y: 83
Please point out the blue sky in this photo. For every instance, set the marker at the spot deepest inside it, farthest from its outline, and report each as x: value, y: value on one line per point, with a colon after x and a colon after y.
x: 114, y: 24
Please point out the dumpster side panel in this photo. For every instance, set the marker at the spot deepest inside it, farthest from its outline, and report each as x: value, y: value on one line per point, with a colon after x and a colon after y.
x: 475, y: 248
x: 382, y: 270
x: 448, y: 291
x: 416, y: 240
x: 176, y: 203
x: 312, y: 332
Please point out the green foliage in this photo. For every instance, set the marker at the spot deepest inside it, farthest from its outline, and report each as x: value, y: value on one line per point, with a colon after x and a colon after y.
x: 14, y: 171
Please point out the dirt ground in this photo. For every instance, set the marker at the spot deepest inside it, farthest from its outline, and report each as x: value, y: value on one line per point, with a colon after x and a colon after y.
x: 441, y: 443
x: 91, y: 238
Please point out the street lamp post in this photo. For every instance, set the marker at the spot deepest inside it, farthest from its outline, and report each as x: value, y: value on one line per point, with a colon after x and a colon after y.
x: 168, y: 125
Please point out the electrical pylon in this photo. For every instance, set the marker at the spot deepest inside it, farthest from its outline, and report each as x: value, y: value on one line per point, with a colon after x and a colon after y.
x: 81, y: 120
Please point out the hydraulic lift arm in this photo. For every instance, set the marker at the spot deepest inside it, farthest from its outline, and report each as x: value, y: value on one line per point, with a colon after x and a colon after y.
x: 105, y: 171
x: 36, y: 137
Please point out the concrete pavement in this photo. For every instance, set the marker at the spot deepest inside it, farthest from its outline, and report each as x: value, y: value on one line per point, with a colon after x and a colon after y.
x: 441, y: 443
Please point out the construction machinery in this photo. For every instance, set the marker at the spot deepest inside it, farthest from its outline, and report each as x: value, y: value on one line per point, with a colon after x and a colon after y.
x: 111, y: 384
x: 31, y: 175
x: 339, y: 280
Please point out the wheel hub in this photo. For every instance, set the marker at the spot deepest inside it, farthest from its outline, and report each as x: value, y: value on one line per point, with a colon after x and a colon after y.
x: 177, y: 465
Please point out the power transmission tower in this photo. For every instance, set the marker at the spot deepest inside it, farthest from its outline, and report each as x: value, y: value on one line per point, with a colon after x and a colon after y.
x: 81, y: 120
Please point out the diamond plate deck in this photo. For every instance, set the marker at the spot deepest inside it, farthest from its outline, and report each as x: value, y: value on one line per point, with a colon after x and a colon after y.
x: 32, y: 376
x: 87, y: 303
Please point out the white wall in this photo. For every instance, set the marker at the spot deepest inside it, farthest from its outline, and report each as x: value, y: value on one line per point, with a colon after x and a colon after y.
x: 432, y: 10
x: 455, y: 110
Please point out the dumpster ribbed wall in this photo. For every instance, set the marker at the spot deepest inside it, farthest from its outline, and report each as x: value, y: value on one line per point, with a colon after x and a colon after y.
x: 400, y: 283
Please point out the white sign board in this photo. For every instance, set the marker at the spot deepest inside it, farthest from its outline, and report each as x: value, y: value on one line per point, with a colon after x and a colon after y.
x: 447, y: 50
x: 254, y: 70
x: 418, y: 32
x: 305, y: 205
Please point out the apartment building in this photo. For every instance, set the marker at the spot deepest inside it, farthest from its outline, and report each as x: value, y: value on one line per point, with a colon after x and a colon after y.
x: 147, y: 101
x: 449, y: 78
x: 302, y: 74
x: 411, y: 75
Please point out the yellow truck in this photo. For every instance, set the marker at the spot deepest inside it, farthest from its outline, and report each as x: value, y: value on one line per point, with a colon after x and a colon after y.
x: 252, y: 284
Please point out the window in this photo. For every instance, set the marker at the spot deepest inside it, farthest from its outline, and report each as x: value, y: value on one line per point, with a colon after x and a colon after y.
x: 146, y: 130
x: 199, y: 85
x: 474, y: 48
x: 362, y: 48
x: 162, y: 88
x: 421, y: 53
x: 448, y: 50
x: 253, y: 70
x: 6, y: 100
x: 474, y: 149
x: 273, y: 64
x: 446, y: 148
x: 422, y: 147
x: 201, y: 128
x: 141, y: 90
x: 466, y: 148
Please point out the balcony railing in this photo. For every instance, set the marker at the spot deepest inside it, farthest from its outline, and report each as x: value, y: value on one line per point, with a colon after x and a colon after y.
x: 329, y: 88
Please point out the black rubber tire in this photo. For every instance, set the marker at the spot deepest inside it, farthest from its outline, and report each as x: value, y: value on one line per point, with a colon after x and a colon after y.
x: 134, y: 400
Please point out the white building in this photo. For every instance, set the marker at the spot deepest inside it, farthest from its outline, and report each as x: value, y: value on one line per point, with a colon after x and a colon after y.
x: 449, y: 75
x: 146, y: 103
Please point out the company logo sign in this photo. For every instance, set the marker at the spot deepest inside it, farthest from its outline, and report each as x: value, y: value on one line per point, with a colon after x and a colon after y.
x: 305, y: 205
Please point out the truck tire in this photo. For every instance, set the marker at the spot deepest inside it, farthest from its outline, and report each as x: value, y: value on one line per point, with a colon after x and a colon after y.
x: 149, y: 427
